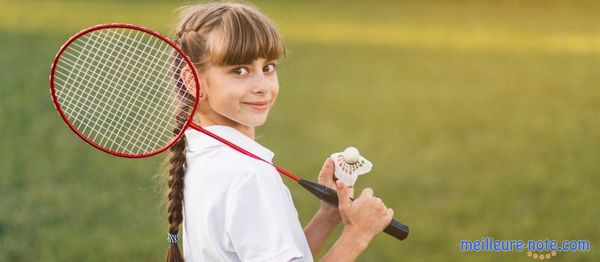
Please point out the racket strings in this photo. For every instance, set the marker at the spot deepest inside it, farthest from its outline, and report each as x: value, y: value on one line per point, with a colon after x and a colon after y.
x: 118, y: 88
x: 116, y: 77
x: 126, y: 96
x: 120, y: 79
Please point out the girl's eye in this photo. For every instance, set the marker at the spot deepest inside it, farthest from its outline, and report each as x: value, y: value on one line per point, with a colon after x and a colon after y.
x: 269, y: 68
x: 240, y: 71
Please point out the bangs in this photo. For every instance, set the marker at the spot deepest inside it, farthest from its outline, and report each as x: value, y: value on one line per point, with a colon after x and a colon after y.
x: 243, y: 37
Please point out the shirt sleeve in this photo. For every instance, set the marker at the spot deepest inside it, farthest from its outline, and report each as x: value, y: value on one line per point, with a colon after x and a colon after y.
x: 255, y: 222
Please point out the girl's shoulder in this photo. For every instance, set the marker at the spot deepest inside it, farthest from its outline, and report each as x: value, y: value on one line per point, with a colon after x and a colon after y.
x: 222, y: 159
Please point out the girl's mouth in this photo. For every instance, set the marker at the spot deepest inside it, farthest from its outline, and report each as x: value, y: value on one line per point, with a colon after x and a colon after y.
x: 258, y: 105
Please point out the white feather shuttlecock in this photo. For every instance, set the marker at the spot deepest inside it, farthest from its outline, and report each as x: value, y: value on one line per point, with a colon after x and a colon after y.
x: 349, y: 165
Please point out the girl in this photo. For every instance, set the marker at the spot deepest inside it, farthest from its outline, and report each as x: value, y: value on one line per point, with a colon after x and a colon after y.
x: 233, y: 207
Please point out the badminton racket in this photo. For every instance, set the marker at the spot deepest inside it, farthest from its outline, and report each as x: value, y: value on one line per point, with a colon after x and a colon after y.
x: 118, y: 88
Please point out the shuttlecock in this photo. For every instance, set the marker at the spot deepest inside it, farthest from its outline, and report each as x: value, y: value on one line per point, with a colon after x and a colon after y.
x: 349, y: 165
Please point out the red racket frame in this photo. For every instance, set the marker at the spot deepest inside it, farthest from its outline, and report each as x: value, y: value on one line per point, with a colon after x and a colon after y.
x: 129, y: 26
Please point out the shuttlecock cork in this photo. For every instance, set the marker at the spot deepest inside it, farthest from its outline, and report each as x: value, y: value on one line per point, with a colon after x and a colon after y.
x: 349, y: 165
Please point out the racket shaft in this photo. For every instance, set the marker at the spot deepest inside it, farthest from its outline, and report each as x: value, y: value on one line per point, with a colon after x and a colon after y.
x: 395, y: 228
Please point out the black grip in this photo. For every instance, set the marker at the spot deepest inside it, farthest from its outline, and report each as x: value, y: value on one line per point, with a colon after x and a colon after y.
x: 395, y: 228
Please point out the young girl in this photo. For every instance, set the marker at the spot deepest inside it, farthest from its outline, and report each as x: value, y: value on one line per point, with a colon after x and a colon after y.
x: 233, y: 207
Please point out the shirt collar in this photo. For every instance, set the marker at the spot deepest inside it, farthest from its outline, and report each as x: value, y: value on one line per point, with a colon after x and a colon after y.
x: 197, y: 140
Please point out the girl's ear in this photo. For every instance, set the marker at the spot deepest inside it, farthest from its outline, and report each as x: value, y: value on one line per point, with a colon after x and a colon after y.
x: 187, y: 76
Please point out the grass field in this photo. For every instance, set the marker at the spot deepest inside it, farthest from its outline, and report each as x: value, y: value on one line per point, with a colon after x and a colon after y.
x: 481, y: 120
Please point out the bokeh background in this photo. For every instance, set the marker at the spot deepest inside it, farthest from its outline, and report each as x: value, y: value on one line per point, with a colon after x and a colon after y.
x: 482, y: 118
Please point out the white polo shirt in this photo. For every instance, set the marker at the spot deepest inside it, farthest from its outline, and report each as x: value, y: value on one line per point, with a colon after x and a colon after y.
x: 237, y: 208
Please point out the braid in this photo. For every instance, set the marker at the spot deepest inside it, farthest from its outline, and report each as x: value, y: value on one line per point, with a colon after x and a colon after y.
x: 177, y: 168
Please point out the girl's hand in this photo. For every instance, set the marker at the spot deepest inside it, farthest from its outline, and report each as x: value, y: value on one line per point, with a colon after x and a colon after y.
x: 327, y: 178
x: 365, y: 217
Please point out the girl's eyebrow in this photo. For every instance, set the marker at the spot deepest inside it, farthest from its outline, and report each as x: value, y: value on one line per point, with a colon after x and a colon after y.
x: 251, y: 63
x: 272, y: 61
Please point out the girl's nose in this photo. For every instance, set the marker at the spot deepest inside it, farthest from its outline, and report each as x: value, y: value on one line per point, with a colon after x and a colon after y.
x: 262, y: 84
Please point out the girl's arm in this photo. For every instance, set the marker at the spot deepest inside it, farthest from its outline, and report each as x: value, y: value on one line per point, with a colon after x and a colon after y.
x: 320, y: 228
x: 363, y: 219
x: 347, y: 248
x: 326, y: 219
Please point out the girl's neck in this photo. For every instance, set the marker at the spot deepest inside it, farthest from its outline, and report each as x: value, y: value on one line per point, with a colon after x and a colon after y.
x: 208, y: 121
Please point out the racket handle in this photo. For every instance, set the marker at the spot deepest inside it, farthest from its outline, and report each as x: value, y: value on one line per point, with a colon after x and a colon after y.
x: 395, y: 228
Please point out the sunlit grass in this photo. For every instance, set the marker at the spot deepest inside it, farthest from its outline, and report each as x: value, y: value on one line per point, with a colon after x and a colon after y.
x: 66, y: 17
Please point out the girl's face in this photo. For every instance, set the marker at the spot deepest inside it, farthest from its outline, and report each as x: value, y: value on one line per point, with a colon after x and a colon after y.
x: 238, y: 95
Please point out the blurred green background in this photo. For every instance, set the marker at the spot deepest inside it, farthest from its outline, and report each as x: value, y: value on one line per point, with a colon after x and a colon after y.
x: 482, y: 119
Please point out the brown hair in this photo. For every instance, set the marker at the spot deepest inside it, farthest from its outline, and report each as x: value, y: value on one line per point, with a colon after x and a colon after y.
x: 213, y: 34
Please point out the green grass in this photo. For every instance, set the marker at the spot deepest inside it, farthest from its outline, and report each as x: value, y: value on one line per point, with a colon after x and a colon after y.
x: 481, y: 120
